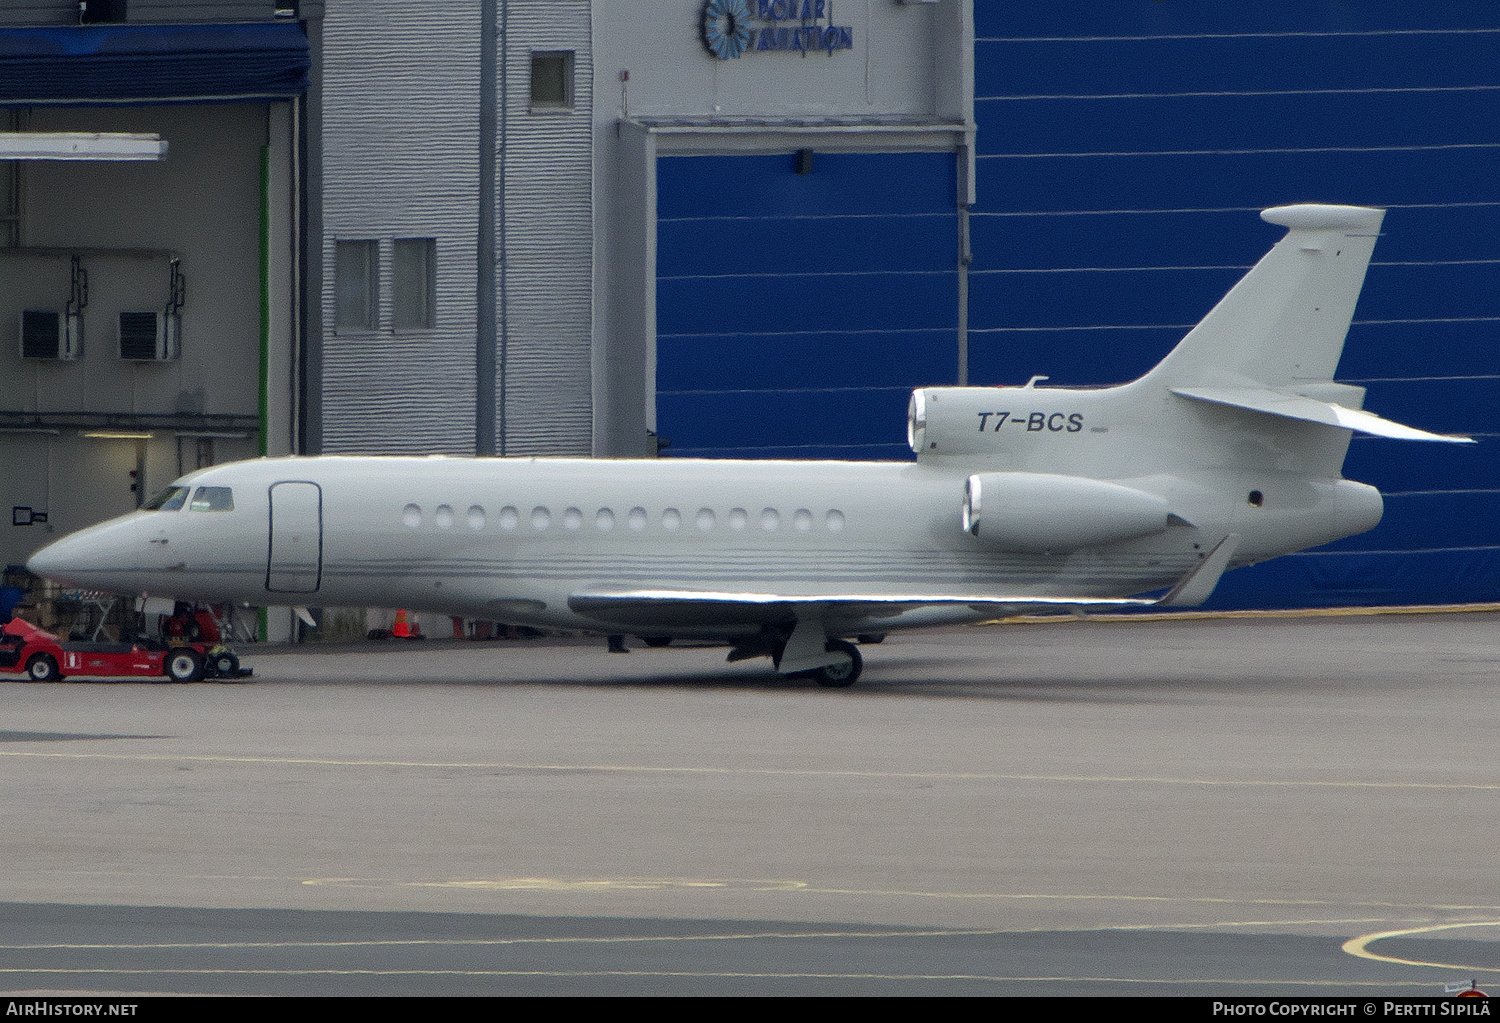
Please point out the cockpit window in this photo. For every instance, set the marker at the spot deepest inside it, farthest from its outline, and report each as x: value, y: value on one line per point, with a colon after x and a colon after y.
x: 213, y: 499
x: 168, y: 500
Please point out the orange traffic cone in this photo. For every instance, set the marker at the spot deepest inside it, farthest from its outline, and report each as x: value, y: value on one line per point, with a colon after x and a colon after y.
x: 402, y: 628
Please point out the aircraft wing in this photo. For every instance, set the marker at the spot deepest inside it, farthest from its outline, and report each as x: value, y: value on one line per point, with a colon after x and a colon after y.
x: 1295, y: 406
x: 665, y: 607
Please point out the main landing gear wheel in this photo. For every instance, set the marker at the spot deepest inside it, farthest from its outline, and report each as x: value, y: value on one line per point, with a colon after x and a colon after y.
x: 184, y: 665
x: 42, y: 668
x: 844, y: 673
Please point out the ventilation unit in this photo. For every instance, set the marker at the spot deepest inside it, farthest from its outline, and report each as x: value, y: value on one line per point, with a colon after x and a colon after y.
x: 48, y: 334
x: 149, y: 336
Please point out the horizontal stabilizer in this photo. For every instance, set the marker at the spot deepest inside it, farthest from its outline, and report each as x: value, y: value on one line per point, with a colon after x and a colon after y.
x: 1310, y: 410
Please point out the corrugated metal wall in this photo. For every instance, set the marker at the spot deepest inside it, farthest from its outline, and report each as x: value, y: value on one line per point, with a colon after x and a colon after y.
x: 796, y: 312
x: 547, y: 237
x: 400, y: 102
x: 1125, y: 147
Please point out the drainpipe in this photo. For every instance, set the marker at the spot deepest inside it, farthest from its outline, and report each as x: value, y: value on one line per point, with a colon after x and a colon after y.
x: 484, y: 312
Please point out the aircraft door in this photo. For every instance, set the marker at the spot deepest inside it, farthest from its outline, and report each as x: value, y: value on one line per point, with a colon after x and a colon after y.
x: 295, y: 564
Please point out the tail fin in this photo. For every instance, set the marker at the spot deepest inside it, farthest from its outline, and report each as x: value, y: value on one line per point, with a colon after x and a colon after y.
x: 1284, y: 323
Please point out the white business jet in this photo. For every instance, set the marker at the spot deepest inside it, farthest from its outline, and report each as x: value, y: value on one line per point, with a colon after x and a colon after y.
x: 1228, y: 453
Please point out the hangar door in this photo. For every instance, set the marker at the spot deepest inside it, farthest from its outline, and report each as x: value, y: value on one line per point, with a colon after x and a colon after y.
x: 796, y: 311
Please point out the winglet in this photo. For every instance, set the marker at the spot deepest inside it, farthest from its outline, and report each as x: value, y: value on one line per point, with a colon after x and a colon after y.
x: 1195, y: 587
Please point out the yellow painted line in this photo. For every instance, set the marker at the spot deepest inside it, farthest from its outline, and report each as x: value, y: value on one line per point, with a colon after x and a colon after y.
x: 730, y: 975
x: 633, y: 884
x: 786, y: 772
x: 645, y: 938
x: 604, y: 940
x: 1308, y: 612
x: 1360, y: 946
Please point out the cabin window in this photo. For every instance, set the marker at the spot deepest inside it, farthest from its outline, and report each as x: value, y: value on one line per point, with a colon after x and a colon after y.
x: 476, y: 517
x: 770, y: 518
x: 637, y: 519
x: 572, y: 519
x: 705, y: 519
x: 671, y: 518
x: 835, y: 520
x: 412, y: 516
x: 170, y: 499
x: 508, y: 518
x: 737, y: 518
x: 213, y: 499
x: 605, y: 520
x: 444, y: 517
x: 802, y: 519
x: 541, y: 518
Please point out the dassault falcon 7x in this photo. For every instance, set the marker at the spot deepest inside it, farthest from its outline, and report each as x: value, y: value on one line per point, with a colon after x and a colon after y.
x: 1228, y: 452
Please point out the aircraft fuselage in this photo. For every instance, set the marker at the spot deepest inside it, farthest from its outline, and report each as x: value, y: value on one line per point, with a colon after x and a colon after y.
x: 519, y: 539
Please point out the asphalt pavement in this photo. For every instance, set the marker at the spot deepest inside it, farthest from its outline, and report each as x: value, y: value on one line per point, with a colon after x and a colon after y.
x: 1205, y: 807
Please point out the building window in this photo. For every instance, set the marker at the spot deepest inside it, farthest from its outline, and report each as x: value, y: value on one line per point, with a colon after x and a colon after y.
x: 414, y: 281
x: 10, y: 204
x: 356, y: 283
x: 552, y: 80
x: 99, y: 12
x: 10, y: 186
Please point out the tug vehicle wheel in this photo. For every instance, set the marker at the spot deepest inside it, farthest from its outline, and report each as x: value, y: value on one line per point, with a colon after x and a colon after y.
x: 226, y: 664
x: 42, y: 668
x: 184, y: 665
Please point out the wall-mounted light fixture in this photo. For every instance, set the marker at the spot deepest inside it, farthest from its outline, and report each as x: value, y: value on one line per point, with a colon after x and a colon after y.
x: 81, y: 145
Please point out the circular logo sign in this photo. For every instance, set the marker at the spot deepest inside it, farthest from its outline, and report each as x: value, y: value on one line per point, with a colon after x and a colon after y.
x: 726, y: 27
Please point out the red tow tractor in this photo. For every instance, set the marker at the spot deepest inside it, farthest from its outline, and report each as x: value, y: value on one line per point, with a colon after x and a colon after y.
x: 42, y: 657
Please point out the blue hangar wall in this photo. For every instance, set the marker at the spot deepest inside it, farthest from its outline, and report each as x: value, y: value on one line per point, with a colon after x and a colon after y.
x: 1125, y: 148
x: 796, y: 312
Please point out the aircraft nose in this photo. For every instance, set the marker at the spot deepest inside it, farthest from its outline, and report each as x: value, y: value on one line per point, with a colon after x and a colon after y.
x: 43, y: 562
x: 90, y: 559
x: 59, y: 561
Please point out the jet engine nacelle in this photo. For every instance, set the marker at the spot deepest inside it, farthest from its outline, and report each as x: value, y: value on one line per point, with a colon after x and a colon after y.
x: 1037, y: 512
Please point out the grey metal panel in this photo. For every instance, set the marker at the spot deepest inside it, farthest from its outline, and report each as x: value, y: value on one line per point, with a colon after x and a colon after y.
x: 38, y: 12
x: 65, y: 12
x: 547, y: 237
x: 400, y: 97
x: 198, y: 11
